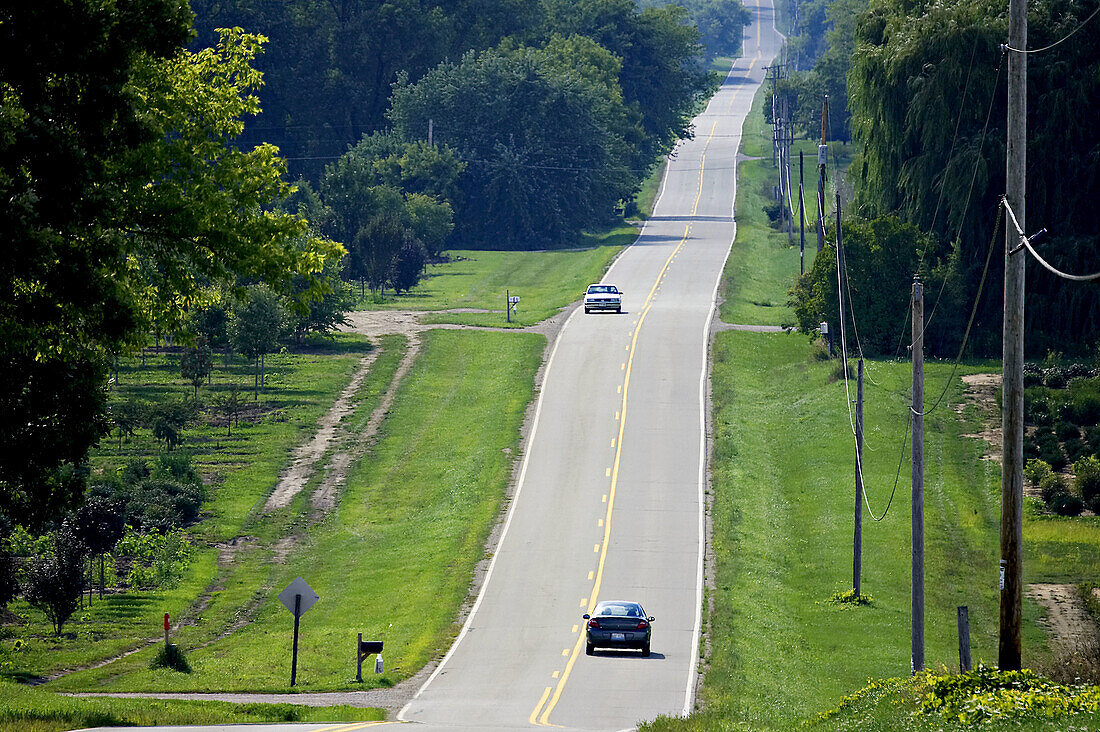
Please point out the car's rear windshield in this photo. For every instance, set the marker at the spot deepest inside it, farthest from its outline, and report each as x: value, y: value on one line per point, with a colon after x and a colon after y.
x: 595, y: 289
x: 623, y: 609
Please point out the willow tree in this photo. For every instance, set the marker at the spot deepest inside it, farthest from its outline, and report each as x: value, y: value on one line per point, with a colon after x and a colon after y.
x: 925, y: 78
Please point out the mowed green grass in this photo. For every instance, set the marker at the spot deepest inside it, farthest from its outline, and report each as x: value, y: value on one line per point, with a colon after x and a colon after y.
x: 780, y: 651
x: 29, y: 709
x: 396, y: 560
x: 545, y: 282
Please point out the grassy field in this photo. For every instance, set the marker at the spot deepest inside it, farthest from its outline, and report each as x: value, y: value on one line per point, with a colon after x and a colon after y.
x: 545, y: 281
x: 29, y: 709
x: 395, y: 561
x: 782, y: 650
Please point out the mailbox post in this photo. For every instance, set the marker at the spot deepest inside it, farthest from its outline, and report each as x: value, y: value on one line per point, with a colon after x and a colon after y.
x: 364, y: 649
x: 511, y: 304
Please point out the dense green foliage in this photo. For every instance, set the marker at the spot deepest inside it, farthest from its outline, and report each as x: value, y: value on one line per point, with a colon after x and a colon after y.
x: 544, y: 149
x: 880, y: 257
x: 721, y: 23
x: 122, y: 198
x: 330, y: 66
x: 924, y: 76
x: 822, y: 42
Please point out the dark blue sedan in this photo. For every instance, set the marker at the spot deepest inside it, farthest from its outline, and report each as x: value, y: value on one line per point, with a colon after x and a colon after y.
x: 618, y: 624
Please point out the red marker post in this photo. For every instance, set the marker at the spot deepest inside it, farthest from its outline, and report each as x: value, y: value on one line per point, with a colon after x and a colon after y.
x: 166, y: 631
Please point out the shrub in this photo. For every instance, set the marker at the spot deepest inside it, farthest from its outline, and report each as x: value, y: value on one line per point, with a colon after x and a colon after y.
x: 1054, y: 377
x: 1067, y: 504
x: 1050, y: 450
x: 1087, y: 481
x: 986, y: 694
x: 1075, y: 449
x: 1092, y: 439
x: 1033, y: 375
x: 170, y: 656
x: 163, y: 497
x: 1077, y: 371
x: 1036, y: 470
x: 1066, y: 430
x: 1058, y: 497
x: 1082, y: 406
x: 1037, y: 408
x: 156, y: 559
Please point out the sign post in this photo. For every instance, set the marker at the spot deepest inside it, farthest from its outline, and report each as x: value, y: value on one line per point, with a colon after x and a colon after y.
x: 166, y: 631
x: 298, y: 597
x: 511, y: 304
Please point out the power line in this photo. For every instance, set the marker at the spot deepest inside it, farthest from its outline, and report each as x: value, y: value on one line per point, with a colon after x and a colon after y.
x: 970, y: 189
x: 973, y: 314
x: 1026, y: 242
x: 1058, y: 42
x: 848, y: 394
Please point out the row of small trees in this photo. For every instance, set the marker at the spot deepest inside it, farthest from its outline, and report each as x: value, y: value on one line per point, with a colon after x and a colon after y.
x: 134, y: 514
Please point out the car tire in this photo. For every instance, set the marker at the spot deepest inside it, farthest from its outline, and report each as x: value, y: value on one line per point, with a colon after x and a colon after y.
x: 587, y: 311
x: 589, y: 649
x: 619, y: 310
x: 645, y: 650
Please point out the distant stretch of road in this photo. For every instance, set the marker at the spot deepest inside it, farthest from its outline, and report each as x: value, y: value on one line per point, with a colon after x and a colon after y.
x: 609, y: 504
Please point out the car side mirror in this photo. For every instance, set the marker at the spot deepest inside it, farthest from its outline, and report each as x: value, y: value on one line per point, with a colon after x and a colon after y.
x: 586, y: 616
x: 651, y: 618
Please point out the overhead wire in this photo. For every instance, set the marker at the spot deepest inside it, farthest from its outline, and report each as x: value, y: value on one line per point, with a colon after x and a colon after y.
x: 848, y: 403
x: 1056, y: 43
x: 1026, y: 242
x: 973, y: 314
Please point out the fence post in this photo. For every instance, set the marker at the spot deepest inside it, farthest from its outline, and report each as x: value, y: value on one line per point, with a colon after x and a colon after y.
x: 964, y: 639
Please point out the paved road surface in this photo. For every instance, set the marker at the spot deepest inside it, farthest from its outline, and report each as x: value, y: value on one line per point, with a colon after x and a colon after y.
x: 609, y: 504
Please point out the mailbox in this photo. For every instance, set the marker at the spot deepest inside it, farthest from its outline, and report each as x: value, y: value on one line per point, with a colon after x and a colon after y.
x: 368, y: 647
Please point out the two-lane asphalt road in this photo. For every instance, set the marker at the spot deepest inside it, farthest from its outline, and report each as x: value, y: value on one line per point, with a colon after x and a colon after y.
x: 610, y: 500
x: 609, y: 504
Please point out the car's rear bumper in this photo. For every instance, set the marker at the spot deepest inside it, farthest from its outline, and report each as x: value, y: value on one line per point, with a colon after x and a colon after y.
x: 631, y: 639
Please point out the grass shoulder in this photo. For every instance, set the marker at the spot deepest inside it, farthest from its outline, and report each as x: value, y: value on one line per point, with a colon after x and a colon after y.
x: 29, y: 708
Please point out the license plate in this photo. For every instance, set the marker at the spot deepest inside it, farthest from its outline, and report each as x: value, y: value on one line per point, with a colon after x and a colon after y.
x: 618, y: 636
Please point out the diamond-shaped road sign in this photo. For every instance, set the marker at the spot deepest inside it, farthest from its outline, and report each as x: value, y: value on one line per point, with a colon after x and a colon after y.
x: 298, y: 587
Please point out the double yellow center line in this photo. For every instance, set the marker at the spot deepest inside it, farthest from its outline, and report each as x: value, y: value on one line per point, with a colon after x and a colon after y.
x: 540, y: 715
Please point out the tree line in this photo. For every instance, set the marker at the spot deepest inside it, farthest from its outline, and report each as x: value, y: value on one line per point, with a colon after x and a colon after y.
x: 145, y: 154
x: 927, y: 101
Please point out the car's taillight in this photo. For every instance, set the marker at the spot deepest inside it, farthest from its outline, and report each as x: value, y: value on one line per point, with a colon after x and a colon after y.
x: 642, y: 625
x: 593, y: 623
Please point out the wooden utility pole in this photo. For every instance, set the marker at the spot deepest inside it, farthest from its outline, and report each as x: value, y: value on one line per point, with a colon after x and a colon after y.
x: 857, y: 551
x: 916, y: 616
x: 801, y: 217
x: 1012, y: 409
x: 822, y: 158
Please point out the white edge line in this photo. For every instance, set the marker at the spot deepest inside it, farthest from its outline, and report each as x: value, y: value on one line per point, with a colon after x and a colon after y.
x: 701, y: 560
x: 504, y: 531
